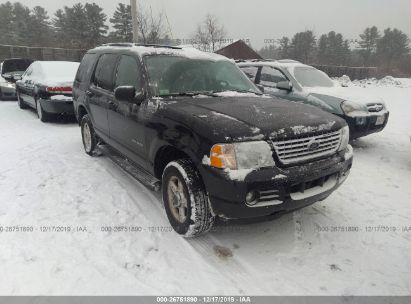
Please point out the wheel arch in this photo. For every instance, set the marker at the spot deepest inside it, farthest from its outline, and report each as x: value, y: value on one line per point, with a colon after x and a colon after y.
x: 164, y: 156
x: 81, y: 112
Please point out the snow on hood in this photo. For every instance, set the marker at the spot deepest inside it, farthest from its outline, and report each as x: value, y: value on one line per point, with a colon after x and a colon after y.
x: 346, y: 94
x: 254, y: 118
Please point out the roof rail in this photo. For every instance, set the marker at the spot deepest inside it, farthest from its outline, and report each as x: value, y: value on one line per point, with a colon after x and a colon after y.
x: 288, y: 61
x: 127, y: 44
x: 160, y: 46
x: 120, y: 44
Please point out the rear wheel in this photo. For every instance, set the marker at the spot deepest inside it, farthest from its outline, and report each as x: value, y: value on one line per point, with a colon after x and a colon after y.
x: 185, y: 199
x: 88, y: 135
x: 43, y: 116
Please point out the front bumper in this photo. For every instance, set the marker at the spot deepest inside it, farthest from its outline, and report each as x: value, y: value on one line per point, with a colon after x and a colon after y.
x: 56, y: 106
x: 8, y: 93
x: 282, y: 189
x: 363, y: 126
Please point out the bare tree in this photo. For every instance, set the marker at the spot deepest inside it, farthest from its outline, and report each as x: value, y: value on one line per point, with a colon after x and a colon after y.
x: 152, y: 29
x: 210, y: 35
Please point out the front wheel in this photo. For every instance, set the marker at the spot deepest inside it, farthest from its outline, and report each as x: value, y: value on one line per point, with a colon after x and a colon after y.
x: 185, y: 199
x: 89, y: 135
x: 21, y: 103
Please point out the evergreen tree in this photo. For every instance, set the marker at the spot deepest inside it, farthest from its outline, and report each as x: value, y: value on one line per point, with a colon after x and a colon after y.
x: 303, y: 46
x: 21, y: 21
x: 6, y: 26
x: 96, y: 24
x: 323, y: 53
x: 392, y: 47
x: 122, y: 24
x: 333, y: 49
x: 285, y: 48
x: 269, y: 52
x: 368, y: 44
x: 42, y: 36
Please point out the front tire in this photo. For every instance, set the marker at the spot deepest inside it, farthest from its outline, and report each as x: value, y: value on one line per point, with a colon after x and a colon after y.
x: 185, y: 199
x: 88, y: 135
x: 20, y: 102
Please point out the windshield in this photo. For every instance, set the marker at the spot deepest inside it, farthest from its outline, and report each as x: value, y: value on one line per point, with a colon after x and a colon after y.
x: 175, y: 75
x: 311, y: 77
x: 17, y: 66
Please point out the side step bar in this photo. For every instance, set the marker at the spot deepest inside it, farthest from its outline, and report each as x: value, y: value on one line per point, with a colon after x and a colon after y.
x: 131, y: 168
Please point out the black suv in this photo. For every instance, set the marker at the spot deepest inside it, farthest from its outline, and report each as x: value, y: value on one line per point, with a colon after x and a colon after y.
x: 193, y: 123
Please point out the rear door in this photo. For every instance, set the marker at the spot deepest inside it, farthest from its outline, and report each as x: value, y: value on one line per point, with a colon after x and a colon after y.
x: 126, y: 121
x: 100, y: 93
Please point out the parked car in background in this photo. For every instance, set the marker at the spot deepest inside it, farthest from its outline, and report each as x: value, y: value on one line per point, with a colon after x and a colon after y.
x: 194, y: 124
x: 47, y: 86
x: 294, y: 81
x: 10, y: 71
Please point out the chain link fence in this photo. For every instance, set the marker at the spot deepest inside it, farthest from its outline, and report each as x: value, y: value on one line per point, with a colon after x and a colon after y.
x: 39, y: 53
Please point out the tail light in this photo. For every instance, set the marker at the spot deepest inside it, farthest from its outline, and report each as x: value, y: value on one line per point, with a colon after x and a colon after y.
x: 61, y: 90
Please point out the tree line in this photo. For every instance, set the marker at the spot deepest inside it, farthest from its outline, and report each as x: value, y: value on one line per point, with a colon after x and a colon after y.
x: 388, y: 50
x: 77, y: 27
x: 84, y: 26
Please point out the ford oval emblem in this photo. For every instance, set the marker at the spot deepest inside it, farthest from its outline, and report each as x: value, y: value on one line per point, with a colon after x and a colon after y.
x: 313, y: 145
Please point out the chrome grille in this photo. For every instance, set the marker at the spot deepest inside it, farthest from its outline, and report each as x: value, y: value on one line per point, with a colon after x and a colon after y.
x: 307, y: 148
x: 375, y: 107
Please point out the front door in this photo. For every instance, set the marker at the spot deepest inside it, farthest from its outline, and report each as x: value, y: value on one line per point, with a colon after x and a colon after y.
x: 127, y: 127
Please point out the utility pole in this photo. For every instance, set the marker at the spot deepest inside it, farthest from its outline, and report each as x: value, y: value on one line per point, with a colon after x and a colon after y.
x: 133, y: 4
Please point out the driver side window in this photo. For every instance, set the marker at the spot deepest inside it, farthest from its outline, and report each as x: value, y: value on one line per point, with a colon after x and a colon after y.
x: 270, y: 77
x: 129, y: 73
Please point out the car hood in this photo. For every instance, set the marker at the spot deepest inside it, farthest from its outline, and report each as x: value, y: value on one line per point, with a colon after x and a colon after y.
x: 255, y: 118
x: 345, y: 94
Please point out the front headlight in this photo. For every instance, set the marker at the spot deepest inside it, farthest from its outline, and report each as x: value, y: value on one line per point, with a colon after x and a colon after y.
x: 238, y: 156
x: 345, y: 138
x: 351, y: 108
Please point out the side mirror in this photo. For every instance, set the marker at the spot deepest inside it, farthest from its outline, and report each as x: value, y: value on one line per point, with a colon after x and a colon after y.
x: 8, y: 77
x: 128, y: 94
x: 285, y: 85
x: 261, y: 87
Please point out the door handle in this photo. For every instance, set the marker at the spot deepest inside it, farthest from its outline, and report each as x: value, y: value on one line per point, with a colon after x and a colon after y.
x: 89, y: 94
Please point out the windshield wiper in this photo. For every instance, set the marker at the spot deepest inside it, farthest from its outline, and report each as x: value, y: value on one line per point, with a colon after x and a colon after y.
x: 239, y: 91
x: 190, y: 94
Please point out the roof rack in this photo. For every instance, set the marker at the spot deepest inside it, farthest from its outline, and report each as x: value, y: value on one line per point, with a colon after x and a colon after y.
x: 288, y: 61
x: 119, y: 44
x: 126, y: 44
x: 160, y: 46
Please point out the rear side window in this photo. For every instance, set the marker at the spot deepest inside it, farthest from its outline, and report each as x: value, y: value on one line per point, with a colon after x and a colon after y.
x: 251, y: 72
x: 128, y: 73
x: 86, y: 67
x: 105, y: 71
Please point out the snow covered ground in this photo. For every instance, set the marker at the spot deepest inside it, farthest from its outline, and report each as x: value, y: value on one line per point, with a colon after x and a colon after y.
x: 47, y: 180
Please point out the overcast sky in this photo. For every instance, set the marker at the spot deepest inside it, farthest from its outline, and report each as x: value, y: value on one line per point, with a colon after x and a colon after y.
x: 259, y: 20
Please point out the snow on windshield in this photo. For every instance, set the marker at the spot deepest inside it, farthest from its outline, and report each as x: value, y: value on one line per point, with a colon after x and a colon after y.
x: 176, y: 75
x: 311, y: 77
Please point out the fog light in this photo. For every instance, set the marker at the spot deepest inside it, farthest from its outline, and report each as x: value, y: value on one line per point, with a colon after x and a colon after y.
x: 251, y: 198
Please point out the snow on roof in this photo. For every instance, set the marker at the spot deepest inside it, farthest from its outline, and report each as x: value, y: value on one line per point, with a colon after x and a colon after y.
x: 284, y: 63
x: 183, y: 51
